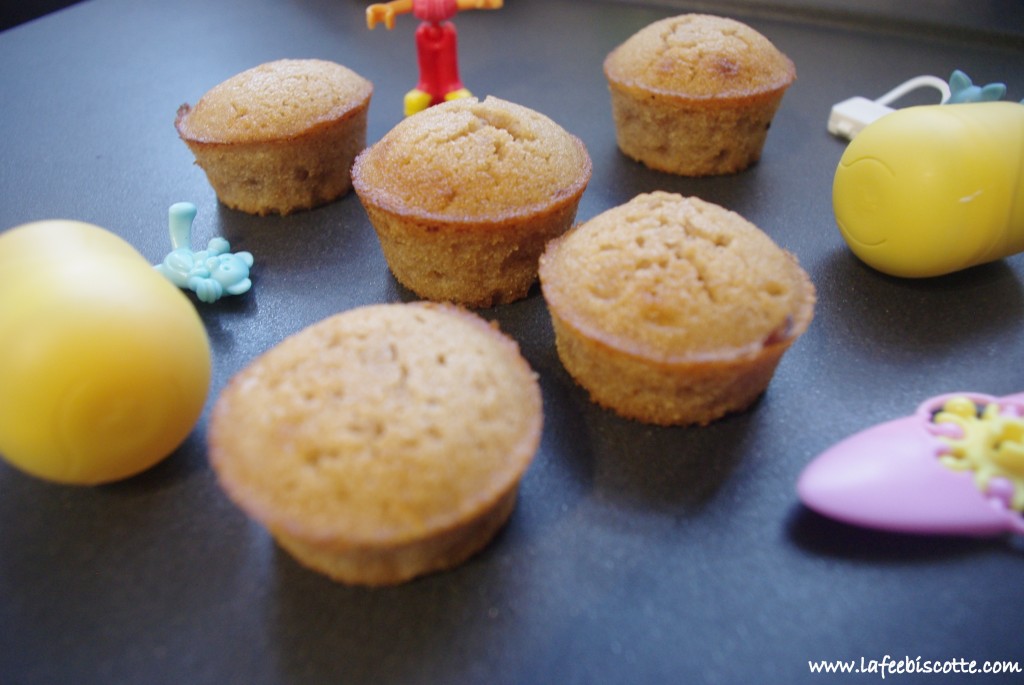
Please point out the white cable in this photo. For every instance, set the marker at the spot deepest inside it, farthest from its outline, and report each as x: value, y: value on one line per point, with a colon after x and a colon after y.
x: 913, y: 84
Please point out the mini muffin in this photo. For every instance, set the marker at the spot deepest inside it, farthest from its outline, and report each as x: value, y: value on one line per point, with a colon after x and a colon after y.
x: 280, y: 137
x: 464, y: 195
x: 695, y: 94
x: 382, y: 443
x: 672, y: 310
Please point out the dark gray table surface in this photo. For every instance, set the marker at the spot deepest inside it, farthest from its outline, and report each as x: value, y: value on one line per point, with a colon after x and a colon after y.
x: 636, y: 554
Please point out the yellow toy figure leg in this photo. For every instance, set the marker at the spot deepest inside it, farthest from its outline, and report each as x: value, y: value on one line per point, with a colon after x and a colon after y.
x: 458, y: 94
x: 416, y: 101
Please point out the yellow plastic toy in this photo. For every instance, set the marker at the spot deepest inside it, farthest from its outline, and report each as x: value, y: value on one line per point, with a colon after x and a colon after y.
x: 929, y: 190
x: 104, y: 363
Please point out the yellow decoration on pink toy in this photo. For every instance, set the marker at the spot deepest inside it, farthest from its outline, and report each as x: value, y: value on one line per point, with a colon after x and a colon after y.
x: 988, y: 442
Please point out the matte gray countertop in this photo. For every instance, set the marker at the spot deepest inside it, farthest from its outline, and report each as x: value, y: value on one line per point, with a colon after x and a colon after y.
x: 636, y: 554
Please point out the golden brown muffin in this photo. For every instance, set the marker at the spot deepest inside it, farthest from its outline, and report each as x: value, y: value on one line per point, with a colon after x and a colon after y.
x: 464, y: 195
x: 672, y: 310
x: 695, y: 94
x: 382, y: 443
x: 279, y: 137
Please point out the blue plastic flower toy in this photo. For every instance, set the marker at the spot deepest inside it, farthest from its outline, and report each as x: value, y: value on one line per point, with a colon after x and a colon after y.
x: 961, y: 90
x: 210, y: 273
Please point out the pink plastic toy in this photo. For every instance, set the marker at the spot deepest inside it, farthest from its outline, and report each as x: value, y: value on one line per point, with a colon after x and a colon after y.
x: 436, y: 46
x: 956, y: 466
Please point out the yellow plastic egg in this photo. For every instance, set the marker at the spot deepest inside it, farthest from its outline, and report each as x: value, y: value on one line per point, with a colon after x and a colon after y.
x: 104, y: 364
x: 925, y: 191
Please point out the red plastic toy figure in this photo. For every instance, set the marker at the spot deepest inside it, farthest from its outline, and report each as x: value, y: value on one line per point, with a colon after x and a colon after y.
x: 435, y: 46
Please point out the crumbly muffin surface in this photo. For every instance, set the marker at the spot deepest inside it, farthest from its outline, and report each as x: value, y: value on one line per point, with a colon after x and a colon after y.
x: 274, y: 101
x: 674, y: 278
x: 700, y: 56
x: 378, y: 425
x: 472, y: 160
